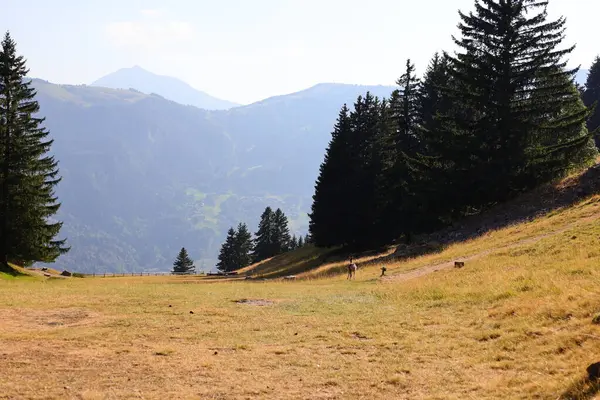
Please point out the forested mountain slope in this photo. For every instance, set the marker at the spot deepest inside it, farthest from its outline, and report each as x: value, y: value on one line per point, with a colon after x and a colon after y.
x: 144, y: 176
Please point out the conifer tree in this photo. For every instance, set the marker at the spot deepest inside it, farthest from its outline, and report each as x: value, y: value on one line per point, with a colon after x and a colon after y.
x: 329, y: 216
x: 432, y: 101
x: 242, y: 247
x: 591, y: 98
x: 183, y: 263
x: 281, y: 233
x: 28, y: 175
x: 405, y: 110
x: 399, y: 208
x: 294, y: 243
x: 346, y: 193
x: 227, y: 253
x: 510, y: 85
x: 570, y: 156
x: 362, y: 177
x: 300, y: 243
x: 434, y: 172
x: 263, y: 243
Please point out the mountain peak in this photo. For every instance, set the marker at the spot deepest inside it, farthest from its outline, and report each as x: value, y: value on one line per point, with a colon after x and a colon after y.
x: 168, y: 87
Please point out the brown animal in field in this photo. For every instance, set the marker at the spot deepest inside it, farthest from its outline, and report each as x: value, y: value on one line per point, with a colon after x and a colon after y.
x: 352, y: 267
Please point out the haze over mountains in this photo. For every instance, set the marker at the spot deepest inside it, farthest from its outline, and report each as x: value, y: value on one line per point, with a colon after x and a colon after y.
x: 581, y: 76
x: 168, y: 87
x: 144, y: 176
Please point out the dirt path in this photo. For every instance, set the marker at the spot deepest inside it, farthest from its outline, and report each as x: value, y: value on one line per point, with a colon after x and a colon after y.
x: 43, y: 274
x: 428, y: 269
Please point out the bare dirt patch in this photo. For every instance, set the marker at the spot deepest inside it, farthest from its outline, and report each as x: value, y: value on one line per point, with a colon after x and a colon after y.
x: 359, y: 336
x: 19, y: 319
x: 255, y: 302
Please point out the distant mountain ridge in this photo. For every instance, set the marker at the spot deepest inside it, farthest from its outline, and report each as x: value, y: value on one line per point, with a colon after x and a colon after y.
x: 170, y: 88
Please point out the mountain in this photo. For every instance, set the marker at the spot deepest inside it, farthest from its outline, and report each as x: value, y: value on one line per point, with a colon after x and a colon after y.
x: 144, y: 175
x: 581, y: 76
x: 166, y: 86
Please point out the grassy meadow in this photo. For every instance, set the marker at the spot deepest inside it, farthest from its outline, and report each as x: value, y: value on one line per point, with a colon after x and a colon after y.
x: 515, y: 323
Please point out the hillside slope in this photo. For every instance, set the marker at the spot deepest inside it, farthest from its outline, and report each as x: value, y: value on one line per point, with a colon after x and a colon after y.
x: 12, y: 272
x: 538, y: 215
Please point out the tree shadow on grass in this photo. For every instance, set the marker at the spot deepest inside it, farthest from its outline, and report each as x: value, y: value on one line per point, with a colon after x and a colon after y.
x: 583, y: 389
x: 296, y: 262
x: 527, y: 207
x: 9, y: 270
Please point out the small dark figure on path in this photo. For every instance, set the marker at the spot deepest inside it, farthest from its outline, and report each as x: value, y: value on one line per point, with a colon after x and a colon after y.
x: 352, y: 267
x: 383, y: 269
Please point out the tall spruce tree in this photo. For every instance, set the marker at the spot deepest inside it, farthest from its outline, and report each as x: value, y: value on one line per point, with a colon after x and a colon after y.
x: 569, y: 157
x: 264, y: 237
x: 385, y: 209
x: 399, y: 208
x: 591, y: 98
x: 294, y: 243
x: 345, y: 203
x: 28, y: 175
x: 308, y: 239
x: 300, y: 243
x: 183, y: 263
x: 226, y: 257
x: 405, y: 110
x: 364, y: 176
x: 434, y: 172
x: 281, y: 233
x: 333, y: 189
x: 432, y: 101
x: 242, y: 247
x: 510, y: 89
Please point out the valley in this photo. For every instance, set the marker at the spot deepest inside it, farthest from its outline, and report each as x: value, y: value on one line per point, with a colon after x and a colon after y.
x: 437, y: 238
x: 144, y: 176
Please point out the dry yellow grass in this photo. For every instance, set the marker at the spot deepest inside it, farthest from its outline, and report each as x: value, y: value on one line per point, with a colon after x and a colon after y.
x: 554, y: 223
x: 515, y: 323
x: 13, y: 272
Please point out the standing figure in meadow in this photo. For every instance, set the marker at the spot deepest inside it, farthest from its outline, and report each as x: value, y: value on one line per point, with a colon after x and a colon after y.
x: 352, y: 267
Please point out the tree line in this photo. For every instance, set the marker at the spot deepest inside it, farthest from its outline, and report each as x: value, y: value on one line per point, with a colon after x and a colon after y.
x: 590, y: 95
x: 496, y: 118
x: 240, y: 249
x: 272, y: 238
x: 28, y: 174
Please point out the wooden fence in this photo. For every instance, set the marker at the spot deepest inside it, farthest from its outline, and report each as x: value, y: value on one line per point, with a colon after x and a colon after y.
x: 122, y: 274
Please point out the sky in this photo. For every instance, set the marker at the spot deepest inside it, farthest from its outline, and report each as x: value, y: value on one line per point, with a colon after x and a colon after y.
x: 248, y: 50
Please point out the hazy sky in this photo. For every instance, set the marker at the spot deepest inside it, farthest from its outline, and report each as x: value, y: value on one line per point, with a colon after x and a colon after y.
x: 246, y: 50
